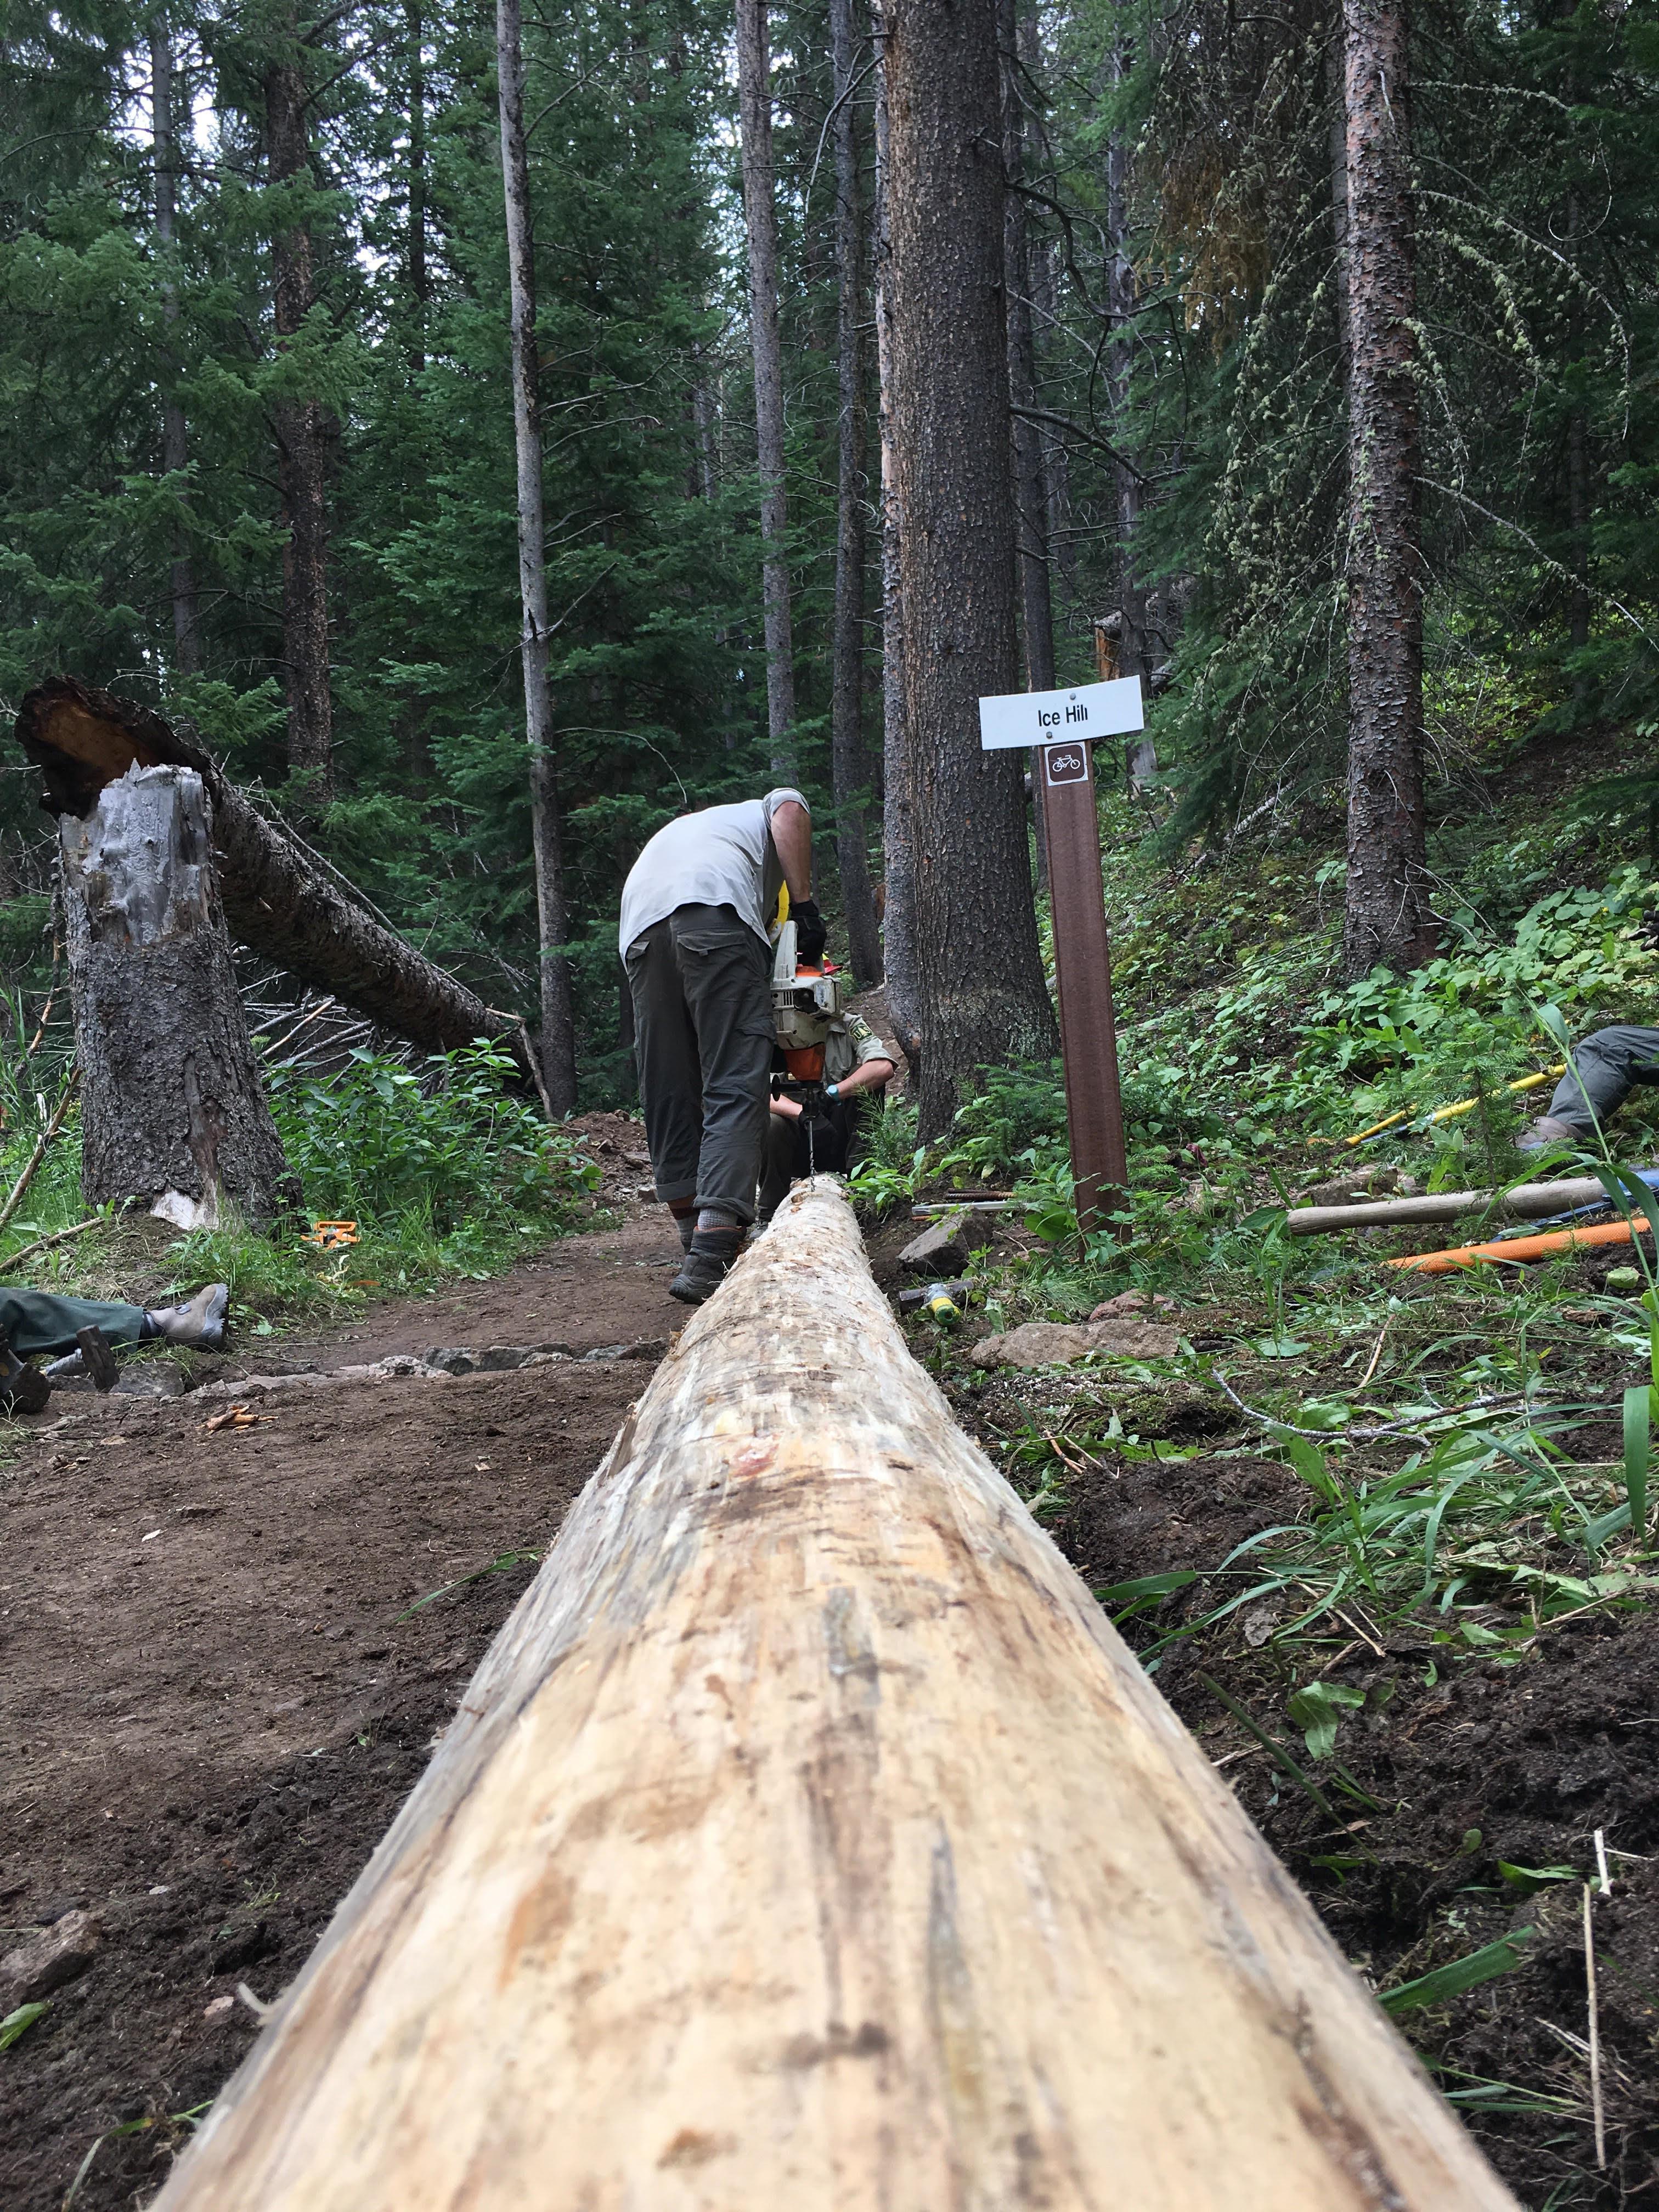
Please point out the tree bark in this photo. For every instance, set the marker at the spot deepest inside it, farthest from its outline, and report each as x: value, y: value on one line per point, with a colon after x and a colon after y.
x: 1134, y: 656
x: 302, y: 433
x: 847, y: 762
x: 761, y: 215
x: 1057, y: 468
x: 983, y: 998
x: 808, y: 1838
x: 279, y: 898
x: 176, y: 438
x: 172, y: 1113
x: 1387, y: 919
x: 558, y: 1039
x: 898, y: 833
x: 1031, y: 490
x: 419, y: 287
x: 1337, y: 104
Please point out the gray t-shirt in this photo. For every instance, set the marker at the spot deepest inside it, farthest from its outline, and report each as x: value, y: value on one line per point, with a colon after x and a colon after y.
x: 723, y: 856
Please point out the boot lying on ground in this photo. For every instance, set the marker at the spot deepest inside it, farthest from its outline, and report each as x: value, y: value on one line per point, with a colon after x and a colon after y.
x: 23, y: 1389
x: 196, y: 1325
x: 706, y: 1264
x: 1549, y: 1131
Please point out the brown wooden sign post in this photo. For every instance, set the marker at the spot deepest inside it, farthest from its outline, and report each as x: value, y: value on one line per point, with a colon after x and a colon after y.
x: 1062, y: 728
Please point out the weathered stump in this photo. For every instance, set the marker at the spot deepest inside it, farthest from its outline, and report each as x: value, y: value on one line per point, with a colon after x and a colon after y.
x: 809, y: 1842
x: 279, y: 898
x: 173, y: 1112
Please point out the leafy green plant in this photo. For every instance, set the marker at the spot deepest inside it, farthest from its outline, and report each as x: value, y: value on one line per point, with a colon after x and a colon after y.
x: 1485, y: 1965
x: 18, y: 2023
x: 1317, y: 1708
x: 380, y: 1139
x: 888, y: 1172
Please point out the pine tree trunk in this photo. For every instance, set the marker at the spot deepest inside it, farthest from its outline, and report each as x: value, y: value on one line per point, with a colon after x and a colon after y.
x: 1387, y: 919
x: 983, y: 998
x: 847, y: 762
x: 1337, y: 104
x: 1031, y: 490
x: 897, y: 835
x: 702, y: 429
x: 1578, y: 458
x: 1134, y: 656
x: 419, y: 290
x: 1056, y: 465
x: 173, y: 1114
x: 175, y: 439
x: 558, y: 1044
x: 302, y: 431
x: 760, y: 211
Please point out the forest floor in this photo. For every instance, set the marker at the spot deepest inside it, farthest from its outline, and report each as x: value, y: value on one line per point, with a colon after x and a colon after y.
x: 219, y: 1697
x: 212, y: 1692
x: 1461, y: 1805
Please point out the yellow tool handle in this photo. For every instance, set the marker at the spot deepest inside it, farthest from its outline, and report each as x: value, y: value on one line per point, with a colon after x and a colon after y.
x: 1463, y: 1106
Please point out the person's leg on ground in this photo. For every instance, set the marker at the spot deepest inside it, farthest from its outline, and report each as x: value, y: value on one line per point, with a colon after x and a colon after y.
x: 671, y: 1080
x: 38, y: 1322
x: 1600, y: 1073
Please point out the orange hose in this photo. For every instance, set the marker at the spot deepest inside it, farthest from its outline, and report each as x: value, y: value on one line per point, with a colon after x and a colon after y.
x: 1515, y: 1248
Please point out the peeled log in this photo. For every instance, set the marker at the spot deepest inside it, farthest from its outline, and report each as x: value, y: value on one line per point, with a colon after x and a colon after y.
x: 277, y: 898
x: 1527, y: 1202
x: 172, y: 1110
x: 809, y: 1839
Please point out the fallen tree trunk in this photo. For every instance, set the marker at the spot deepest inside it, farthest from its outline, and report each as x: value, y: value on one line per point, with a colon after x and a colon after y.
x: 808, y: 1838
x: 172, y: 1110
x: 279, y: 898
x: 1528, y: 1202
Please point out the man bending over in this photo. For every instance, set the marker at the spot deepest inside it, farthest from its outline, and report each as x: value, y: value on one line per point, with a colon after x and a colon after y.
x: 694, y: 914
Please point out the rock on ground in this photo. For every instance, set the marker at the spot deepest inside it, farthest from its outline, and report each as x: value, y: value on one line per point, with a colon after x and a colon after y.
x: 1052, y: 1343
x: 47, y: 1961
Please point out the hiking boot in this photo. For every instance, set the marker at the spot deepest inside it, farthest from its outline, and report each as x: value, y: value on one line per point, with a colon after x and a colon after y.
x: 198, y: 1326
x: 708, y: 1263
x: 1549, y: 1131
x: 23, y: 1388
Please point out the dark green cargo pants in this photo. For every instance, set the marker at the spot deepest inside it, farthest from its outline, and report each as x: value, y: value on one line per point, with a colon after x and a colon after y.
x: 701, y: 984
x: 1603, y: 1068
x: 36, y: 1321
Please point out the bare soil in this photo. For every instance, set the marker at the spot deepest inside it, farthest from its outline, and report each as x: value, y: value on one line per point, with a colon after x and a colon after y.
x: 214, y: 1698
x: 212, y: 1695
x: 1461, y: 1771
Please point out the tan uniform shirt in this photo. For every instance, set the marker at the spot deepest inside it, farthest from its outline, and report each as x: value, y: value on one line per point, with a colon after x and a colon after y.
x: 850, y: 1042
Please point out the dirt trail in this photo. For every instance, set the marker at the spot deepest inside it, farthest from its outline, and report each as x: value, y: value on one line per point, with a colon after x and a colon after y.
x: 210, y: 1703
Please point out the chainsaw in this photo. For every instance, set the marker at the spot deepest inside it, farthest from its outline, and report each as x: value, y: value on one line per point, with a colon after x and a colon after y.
x: 805, y: 1001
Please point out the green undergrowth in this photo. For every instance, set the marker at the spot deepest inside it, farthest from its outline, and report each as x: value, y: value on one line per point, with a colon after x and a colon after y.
x: 1456, y: 1467
x: 1451, y: 1433
x: 445, y: 1172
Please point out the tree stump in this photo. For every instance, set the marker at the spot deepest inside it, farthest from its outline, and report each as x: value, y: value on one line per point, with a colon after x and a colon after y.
x: 173, y: 1112
x: 279, y: 898
x: 808, y: 1841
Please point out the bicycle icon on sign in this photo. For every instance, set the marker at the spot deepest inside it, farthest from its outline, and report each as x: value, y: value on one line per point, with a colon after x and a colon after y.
x: 1065, y: 764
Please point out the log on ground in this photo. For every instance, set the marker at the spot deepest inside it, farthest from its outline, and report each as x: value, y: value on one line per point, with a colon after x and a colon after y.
x: 1527, y: 1202
x: 279, y: 898
x: 808, y: 1839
